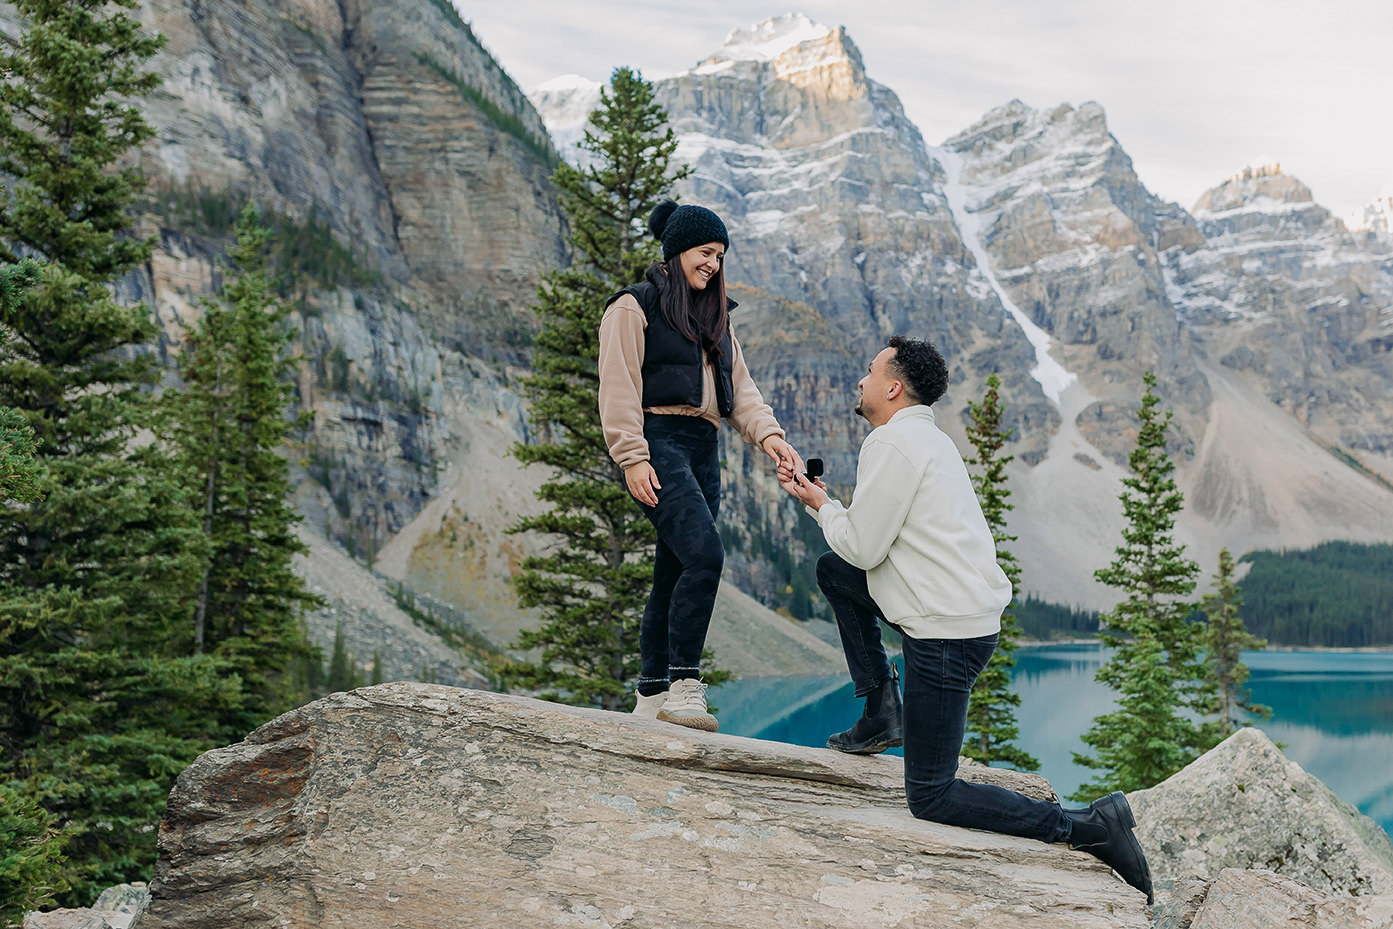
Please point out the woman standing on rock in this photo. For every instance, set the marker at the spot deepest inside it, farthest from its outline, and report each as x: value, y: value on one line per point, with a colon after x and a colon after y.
x: 670, y: 371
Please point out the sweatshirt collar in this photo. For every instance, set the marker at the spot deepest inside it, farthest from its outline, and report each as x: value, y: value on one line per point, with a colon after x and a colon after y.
x: 909, y: 412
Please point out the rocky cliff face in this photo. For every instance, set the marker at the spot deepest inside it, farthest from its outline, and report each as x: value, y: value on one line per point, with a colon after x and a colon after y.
x: 1122, y: 282
x: 831, y: 197
x: 1282, y: 289
x: 408, y: 178
x: 1071, y: 235
x: 1374, y: 224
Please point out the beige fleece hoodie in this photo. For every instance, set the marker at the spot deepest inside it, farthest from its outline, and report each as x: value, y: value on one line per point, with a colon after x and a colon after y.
x: 621, y: 389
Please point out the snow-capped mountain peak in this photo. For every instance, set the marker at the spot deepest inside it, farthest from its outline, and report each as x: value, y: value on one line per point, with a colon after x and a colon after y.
x: 565, y: 103
x: 1259, y: 185
x: 769, y: 39
x: 788, y: 42
x: 1376, y: 216
x: 1258, y: 167
x: 567, y: 82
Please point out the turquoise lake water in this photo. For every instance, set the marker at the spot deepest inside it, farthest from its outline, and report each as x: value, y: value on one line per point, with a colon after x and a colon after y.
x: 1331, y: 711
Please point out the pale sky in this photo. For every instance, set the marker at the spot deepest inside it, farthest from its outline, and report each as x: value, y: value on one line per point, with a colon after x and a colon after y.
x: 1193, y: 89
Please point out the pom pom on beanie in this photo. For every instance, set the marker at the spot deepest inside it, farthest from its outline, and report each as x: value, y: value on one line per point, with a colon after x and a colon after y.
x: 682, y: 227
x: 659, y: 217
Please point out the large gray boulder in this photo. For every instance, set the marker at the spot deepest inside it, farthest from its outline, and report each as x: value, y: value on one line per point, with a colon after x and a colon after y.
x: 1244, y: 805
x: 422, y: 805
x: 1259, y: 899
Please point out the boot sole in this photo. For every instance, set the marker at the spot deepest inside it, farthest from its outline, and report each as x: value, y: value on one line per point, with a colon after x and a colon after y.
x: 873, y: 747
x: 704, y: 723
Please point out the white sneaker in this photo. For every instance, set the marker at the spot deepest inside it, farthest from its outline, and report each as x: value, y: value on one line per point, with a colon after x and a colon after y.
x: 648, y: 707
x: 686, y: 706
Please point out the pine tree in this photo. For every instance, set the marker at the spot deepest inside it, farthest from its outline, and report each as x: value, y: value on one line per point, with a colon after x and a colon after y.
x: 1145, y: 739
x: 30, y: 845
x: 229, y: 426
x: 991, y: 713
x: 31, y: 849
x: 1225, y: 639
x: 1155, y: 667
x: 20, y: 472
x: 594, y: 582
x: 629, y: 148
x: 98, y: 710
x: 342, y: 674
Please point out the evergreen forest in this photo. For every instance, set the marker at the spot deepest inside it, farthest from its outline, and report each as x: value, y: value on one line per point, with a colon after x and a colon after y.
x: 1043, y: 620
x: 1335, y: 595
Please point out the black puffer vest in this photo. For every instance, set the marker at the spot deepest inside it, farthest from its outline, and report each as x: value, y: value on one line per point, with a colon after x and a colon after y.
x: 672, y: 366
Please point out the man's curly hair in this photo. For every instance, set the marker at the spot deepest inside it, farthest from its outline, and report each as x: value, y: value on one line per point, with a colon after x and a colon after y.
x: 920, y: 367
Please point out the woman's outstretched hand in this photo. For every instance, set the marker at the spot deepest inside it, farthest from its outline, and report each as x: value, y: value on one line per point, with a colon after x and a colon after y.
x: 643, y: 483
x: 785, y: 456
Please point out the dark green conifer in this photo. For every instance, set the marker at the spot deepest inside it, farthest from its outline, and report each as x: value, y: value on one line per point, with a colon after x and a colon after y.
x: 229, y: 426
x: 1333, y: 595
x: 1225, y: 640
x: 31, y: 850
x: 20, y: 472
x: 593, y: 583
x: 100, y: 706
x: 991, y: 711
x: 30, y: 844
x: 342, y: 674
x: 1155, y: 668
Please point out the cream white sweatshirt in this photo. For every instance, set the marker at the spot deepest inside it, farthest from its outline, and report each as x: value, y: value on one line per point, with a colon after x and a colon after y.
x: 916, y: 528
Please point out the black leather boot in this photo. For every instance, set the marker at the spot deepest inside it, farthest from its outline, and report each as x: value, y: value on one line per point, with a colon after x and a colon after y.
x: 1104, y: 830
x: 881, y: 725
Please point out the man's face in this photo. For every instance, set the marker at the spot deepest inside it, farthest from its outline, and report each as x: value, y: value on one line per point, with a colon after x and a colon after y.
x: 877, y: 388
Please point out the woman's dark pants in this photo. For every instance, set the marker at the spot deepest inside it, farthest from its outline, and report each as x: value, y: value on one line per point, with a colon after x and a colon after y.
x: 938, y: 679
x: 684, y: 452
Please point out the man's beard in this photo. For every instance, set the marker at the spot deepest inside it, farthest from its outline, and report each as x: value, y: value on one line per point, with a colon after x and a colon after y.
x: 860, y: 402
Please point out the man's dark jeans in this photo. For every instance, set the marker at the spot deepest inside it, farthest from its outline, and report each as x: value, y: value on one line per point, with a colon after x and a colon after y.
x: 684, y: 452
x: 938, y: 679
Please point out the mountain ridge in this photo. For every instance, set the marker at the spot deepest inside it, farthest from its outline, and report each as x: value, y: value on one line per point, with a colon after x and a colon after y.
x: 1049, y: 220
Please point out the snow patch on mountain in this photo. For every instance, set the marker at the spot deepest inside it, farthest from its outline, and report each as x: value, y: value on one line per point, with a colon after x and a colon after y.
x: 760, y: 175
x: 1049, y: 373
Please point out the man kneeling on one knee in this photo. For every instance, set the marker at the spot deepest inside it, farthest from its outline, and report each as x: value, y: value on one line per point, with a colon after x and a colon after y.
x: 914, y: 550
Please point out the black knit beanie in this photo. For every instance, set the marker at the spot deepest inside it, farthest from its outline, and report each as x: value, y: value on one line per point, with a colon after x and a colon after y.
x: 682, y: 227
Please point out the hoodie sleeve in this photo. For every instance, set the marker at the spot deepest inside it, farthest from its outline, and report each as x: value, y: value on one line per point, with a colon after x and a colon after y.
x: 751, y: 416
x: 621, y: 381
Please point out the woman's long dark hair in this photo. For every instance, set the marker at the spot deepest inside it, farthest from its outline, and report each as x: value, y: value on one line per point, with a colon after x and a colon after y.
x: 701, y: 316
